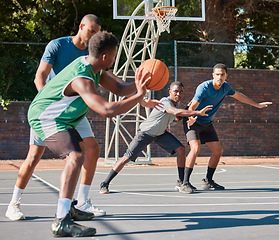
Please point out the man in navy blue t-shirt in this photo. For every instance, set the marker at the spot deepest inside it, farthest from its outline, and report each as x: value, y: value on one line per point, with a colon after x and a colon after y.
x: 211, y: 92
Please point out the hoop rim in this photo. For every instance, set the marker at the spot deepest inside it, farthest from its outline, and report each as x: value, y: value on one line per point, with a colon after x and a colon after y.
x: 158, y: 9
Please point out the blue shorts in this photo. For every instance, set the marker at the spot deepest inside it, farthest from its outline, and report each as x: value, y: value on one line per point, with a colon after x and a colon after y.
x: 167, y: 141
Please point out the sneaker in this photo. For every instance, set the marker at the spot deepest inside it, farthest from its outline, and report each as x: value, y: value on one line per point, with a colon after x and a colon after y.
x: 13, y: 212
x: 186, y: 188
x: 193, y: 187
x: 104, y: 188
x: 79, y: 215
x: 178, y: 185
x: 89, y: 207
x: 65, y: 227
x: 211, y: 185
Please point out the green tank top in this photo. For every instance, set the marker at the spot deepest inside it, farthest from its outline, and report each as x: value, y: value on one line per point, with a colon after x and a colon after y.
x: 51, y: 111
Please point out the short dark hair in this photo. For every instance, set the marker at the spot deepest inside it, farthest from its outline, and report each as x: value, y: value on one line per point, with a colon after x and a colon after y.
x: 220, y: 65
x: 91, y: 18
x: 176, y: 83
x: 102, y: 42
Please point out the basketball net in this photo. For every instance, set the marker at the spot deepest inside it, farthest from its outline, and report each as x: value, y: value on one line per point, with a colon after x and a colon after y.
x: 163, y: 16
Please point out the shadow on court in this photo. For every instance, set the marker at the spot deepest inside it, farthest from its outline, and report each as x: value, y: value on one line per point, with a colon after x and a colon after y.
x: 143, y: 205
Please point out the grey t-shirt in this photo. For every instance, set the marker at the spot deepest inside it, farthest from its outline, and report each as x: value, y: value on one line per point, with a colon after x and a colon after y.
x: 158, y: 120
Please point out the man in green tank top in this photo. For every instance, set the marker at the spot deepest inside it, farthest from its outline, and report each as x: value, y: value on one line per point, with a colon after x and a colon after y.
x: 64, y: 102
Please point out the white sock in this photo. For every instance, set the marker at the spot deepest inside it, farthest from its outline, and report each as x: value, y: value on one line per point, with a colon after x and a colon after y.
x: 83, y: 192
x: 16, y: 194
x: 63, y: 207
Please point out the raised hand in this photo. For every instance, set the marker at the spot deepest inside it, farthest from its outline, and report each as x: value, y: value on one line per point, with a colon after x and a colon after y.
x: 207, y: 108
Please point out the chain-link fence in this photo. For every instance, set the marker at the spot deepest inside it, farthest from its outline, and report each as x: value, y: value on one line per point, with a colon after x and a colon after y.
x: 19, y: 61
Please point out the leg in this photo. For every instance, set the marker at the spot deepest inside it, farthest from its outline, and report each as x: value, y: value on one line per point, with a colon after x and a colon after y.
x: 104, y: 187
x: 27, y: 168
x: 91, y: 157
x: 187, y: 187
x: 192, y: 155
x: 139, y: 142
x: 217, y: 151
x: 25, y: 172
x: 70, y: 174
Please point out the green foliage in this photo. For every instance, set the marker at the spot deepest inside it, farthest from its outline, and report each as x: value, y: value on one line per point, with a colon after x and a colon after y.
x: 39, y: 21
x: 4, y: 103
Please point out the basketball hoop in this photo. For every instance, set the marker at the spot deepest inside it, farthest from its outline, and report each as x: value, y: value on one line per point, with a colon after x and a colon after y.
x: 163, y: 16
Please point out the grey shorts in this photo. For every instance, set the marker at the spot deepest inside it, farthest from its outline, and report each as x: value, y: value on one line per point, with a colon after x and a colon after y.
x: 64, y: 142
x: 203, y: 132
x: 167, y: 141
x: 83, y: 128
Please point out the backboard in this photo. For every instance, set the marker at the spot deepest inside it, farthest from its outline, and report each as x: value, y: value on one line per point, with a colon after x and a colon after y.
x: 188, y: 10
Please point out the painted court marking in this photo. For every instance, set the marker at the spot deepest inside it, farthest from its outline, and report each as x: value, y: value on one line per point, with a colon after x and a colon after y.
x: 159, y: 174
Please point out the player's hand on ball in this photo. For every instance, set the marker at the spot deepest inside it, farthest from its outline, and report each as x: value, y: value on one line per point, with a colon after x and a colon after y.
x: 141, y: 79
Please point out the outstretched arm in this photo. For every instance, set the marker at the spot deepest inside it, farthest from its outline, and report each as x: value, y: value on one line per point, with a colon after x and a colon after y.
x: 244, y: 99
x: 86, y: 89
x: 188, y: 113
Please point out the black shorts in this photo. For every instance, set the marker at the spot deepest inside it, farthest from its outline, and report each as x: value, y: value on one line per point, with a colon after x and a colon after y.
x: 203, y: 132
x: 167, y: 141
x: 64, y: 142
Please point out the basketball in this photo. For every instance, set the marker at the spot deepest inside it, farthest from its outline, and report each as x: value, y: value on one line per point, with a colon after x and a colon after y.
x: 159, y: 74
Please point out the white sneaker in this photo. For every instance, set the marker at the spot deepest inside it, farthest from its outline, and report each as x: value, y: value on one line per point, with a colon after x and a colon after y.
x: 13, y: 212
x: 88, y: 207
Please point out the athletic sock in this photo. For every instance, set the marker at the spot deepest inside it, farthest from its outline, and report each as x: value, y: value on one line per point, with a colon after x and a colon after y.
x: 110, y: 176
x: 210, y: 172
x: 16, y: 194
x: 63, y: 207
x: 181, y: 171
x: 83, y: 192
x: 188, y: 172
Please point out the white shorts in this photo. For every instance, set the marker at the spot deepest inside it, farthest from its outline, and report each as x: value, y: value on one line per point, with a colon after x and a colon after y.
x: 83, y: 128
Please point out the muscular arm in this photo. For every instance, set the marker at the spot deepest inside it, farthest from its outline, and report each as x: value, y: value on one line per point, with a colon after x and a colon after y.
x: 244, y: 99
x: 116, y: 85
x: 187, y: 113
x: 41, y: 74
x: 86, y: 89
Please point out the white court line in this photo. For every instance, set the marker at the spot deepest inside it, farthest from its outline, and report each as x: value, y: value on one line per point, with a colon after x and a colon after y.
x: 45, y: 182
x: 156, y: 205
x: 270, y: 167
x: 158, y: 174
x: 193, y: 196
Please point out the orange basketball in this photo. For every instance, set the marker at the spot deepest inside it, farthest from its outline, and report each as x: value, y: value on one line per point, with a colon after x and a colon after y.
x: 159, y: 73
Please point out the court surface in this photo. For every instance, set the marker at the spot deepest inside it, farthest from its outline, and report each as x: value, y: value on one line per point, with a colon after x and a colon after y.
x: 144, y: 205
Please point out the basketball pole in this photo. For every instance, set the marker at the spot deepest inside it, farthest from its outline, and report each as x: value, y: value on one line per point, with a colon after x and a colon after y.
x: 146, y: 34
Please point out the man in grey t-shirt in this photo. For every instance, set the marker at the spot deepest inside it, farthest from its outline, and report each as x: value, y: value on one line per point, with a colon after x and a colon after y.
x: 154, y: 129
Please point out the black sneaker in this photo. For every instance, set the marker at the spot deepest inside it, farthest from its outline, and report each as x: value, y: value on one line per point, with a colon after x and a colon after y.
x: 211, y: 185
x: 193, y: 187
x: 186, y: 188
x: 104, y: 188
x: 65, y: 227
x: 79, y: 215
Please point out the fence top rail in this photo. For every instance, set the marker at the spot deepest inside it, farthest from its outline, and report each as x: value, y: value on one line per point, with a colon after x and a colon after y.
x: 228, y: 44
